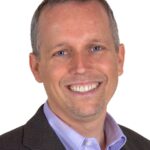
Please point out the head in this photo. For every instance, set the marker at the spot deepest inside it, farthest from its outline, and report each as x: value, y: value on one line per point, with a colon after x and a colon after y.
x: 77, y: 56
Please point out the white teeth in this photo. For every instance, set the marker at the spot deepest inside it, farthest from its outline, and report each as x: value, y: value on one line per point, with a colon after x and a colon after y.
x: 83, y: 88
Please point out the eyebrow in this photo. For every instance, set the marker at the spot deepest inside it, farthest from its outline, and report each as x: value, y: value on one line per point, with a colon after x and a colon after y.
x: 88, y: 40
x: 59, y: 45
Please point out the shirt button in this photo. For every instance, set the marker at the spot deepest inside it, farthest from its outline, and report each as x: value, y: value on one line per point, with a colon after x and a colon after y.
x: 87, y: 143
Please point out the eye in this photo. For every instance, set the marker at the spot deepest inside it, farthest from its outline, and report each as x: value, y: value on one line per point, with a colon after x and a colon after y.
x: 96, y: 48
x: 60, y: 53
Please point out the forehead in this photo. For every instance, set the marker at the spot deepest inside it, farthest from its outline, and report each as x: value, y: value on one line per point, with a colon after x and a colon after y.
x: 73, y: 11
x: 74, y: 18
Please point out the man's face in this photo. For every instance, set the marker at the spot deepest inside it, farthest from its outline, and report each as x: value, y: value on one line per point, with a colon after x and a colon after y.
x: 78, y: 63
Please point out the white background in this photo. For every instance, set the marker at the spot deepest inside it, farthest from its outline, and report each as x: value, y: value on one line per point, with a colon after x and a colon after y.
x: 21, y: 95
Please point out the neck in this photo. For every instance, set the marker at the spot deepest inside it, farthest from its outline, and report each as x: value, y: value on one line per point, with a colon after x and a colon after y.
x: 91, y: 128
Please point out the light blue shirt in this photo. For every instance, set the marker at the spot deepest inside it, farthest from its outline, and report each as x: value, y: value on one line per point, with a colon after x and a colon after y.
x: 72, y: 140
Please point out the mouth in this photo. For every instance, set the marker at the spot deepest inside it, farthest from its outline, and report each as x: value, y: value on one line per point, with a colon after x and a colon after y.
x: 84, y: 88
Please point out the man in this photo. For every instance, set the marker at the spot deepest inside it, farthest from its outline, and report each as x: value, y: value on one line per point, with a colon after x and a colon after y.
x: 78, y: 57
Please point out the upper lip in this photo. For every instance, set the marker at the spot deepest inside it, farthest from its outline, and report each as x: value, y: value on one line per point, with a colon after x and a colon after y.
x: 83, y: 82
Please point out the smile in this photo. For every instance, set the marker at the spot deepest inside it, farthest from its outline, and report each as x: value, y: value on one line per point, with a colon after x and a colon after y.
x: 83, y: 88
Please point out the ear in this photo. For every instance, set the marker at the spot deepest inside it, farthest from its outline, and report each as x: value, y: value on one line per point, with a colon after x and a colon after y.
x: 34, y: 65
x: 121, y: 55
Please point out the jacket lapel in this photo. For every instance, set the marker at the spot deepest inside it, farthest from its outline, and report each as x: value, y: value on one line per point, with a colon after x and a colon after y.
x: 38, y: 135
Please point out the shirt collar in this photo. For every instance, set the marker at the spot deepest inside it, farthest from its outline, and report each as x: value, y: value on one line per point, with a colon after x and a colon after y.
x: 73, y: 140
x: 115, y: 139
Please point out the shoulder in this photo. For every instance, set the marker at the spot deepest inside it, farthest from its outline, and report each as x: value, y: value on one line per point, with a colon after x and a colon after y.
x: 135, y: 140
x: 35, y: 134
x: 12, y: 140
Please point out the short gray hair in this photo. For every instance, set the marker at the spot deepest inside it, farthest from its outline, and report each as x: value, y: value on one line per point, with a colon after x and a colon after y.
x: 35, y: 22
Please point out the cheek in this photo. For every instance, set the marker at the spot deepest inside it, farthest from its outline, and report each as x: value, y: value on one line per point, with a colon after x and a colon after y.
x: 51, y: 77
x: 108, y: 65
x: 52, y: 73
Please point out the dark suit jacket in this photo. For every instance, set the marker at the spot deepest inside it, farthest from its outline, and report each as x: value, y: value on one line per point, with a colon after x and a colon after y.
x: 38, y: 135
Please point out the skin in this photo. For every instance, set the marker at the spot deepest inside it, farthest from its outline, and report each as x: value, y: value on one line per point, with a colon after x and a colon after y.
x: 75, y: 51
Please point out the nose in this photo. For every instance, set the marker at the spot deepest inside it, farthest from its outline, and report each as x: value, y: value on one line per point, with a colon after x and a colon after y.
x: 79, y: 64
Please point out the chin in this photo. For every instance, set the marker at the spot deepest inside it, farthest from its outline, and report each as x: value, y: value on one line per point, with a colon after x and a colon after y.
x: 87, y: 113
